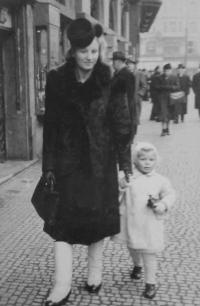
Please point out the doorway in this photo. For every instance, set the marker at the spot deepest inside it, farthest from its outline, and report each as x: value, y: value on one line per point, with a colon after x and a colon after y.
x: 2, y: 109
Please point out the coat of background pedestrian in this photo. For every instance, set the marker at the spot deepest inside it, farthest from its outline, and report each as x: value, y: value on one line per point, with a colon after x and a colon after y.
x: 196, y: 89
x: 185, y: 84
x: 140, y: 89
x: 123, y: 83
x: 154, y: 93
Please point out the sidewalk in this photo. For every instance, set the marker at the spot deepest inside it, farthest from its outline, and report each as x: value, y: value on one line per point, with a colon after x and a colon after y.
x: 10, y: 168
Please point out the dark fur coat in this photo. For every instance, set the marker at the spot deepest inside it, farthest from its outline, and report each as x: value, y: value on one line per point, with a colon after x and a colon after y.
x: 86, y: 131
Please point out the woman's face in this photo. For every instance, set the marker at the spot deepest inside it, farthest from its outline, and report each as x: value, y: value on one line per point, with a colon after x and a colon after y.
x: 87, y: 57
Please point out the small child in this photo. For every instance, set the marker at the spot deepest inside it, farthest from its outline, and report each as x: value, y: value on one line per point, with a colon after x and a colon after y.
x: 145, y: 200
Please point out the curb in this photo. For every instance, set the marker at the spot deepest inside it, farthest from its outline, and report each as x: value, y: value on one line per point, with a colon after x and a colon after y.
x: 24, y: 167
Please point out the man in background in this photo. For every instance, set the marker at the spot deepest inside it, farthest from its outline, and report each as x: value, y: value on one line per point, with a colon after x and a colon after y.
x: 196, y: 89
x: 140, y: 88
x: 185, y: 85
x: 123, y: 82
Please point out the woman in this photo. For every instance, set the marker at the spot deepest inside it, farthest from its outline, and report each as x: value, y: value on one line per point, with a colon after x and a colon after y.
x: 167, y: 83
x: 86, y: 129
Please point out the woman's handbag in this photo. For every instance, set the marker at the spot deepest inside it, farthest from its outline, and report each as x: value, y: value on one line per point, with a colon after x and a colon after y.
x: 45, y: 200
x: 177, y: 97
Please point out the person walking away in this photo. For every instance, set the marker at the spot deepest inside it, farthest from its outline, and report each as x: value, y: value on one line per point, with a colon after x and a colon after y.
x: 140, y: 88
x: 85, y: 134
x: 185, y: 85
x: 167, y: 84
x: 123, y: 82
x: 154, y: 93
x: 196, y: 89
x: 145, y: 203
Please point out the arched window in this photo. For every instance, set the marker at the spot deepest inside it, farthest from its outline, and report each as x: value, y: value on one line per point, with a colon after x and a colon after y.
x: 111, y: 14
x: 94, y: 10
x: 123, y: 22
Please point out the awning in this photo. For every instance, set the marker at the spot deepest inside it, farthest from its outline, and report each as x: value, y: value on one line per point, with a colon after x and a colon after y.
x: 149, y: 10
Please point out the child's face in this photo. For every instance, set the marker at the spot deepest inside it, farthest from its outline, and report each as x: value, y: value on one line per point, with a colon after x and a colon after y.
x: 146, y: 161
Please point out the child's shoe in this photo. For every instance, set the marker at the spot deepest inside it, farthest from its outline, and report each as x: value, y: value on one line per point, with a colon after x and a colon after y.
x: 150, y: 291
x: 163, y: 133
x: 136, y: 273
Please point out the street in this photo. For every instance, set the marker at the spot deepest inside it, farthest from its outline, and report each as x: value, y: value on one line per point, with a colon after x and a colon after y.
x: 26, y: 252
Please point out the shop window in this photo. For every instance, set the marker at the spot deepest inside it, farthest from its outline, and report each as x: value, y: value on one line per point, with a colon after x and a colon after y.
x: 190, y: 47
x: 41, y: 68
x: 111, y: 14
x: 151, y: 47
x: 95, y: 9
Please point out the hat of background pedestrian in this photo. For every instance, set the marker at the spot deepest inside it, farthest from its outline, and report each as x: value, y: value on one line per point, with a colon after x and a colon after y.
x: 131, y: 60
x: 81, y: 32
x: 181, y: 66
x: 119, y: 55
x: 167, y: 67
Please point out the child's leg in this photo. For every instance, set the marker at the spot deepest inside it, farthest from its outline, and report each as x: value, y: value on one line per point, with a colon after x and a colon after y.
x: 137, y: 261
x: 150, y: 267
x: 136, y: 257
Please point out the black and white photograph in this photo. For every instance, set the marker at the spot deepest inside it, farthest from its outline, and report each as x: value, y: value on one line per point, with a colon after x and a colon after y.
x: 99, y: 152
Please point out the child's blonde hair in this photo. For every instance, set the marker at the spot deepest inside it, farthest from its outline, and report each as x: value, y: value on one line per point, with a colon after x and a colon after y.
x: 141, y: 147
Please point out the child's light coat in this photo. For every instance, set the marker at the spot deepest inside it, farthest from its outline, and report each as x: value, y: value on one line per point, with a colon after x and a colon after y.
x: 141, y: 228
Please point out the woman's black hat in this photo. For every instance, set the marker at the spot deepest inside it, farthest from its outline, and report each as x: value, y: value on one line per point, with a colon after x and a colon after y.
x: 81, y: 32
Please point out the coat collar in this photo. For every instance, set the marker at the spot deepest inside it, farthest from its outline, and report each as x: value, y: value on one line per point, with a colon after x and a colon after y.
x: 137, y: 173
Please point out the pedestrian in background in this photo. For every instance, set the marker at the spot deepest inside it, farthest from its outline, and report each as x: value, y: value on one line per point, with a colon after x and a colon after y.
x: 196, y: 89
x: 85, y: 132
x: 167, y: 84
x: 185, y: 85
x: 123, y: 82
x: 154, y: 93
x: 145, y: 202
x: 140, y: 88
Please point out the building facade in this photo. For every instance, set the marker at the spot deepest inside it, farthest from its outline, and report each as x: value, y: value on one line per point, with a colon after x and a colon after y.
x: 174, y: 36
x: 33, y: 40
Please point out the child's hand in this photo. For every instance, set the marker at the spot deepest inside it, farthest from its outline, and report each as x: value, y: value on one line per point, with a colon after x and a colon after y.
x: 160, y: 208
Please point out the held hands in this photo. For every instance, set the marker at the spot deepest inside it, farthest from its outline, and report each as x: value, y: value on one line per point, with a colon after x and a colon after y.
x: 124, y: 181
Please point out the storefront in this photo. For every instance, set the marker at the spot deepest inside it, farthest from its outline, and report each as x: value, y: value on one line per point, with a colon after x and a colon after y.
x: 16, y: 79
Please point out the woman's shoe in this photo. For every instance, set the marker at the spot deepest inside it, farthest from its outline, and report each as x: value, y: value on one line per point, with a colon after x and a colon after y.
x: 150, y: 291
x: 60, y: 303
x: 93, y: 288
x: 136, y: 273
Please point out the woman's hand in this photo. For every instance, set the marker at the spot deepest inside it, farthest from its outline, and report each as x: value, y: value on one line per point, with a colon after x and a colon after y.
x: 49, y: 180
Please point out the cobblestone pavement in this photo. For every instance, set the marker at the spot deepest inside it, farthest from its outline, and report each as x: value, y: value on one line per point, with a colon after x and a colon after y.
x: 26, y: 252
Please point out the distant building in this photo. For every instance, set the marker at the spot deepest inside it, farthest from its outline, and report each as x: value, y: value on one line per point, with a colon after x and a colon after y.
x: 174, y: 36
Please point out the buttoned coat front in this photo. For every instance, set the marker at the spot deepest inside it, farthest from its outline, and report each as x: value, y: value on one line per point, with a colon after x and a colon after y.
x: 86, y: 131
